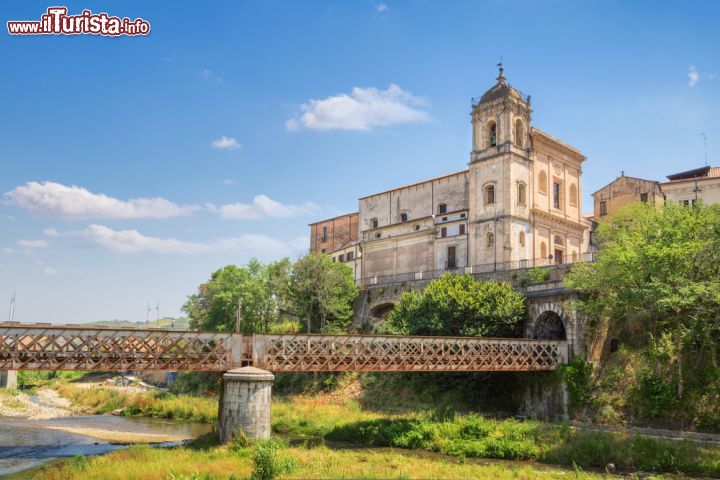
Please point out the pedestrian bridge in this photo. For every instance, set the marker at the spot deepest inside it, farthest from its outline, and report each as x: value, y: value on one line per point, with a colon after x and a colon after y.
x: 64, y: 347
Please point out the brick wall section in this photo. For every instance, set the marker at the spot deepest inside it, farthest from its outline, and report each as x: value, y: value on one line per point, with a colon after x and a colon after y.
x: 338, y: 232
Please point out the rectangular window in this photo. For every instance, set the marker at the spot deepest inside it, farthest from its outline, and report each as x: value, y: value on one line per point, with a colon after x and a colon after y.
x: 443, y: 232
x: 442, y: 208
x: 324, y: 235
x: 644, y: 197
x: 462, y: 229
x: 603, y: 209
x: 341, y: 258
x: 374, y: 223
x: 684, y: 202
x: 403, y: 217
x: 556, y: 195
x: 349, y: 256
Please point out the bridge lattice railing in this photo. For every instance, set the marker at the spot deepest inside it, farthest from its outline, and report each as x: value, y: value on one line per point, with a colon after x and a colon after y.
x: 392, y: 353
x: 57, y: 347
x: 34, y: 347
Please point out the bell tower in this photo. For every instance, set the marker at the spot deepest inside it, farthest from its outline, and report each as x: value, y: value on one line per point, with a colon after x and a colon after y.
x: 500, y: 182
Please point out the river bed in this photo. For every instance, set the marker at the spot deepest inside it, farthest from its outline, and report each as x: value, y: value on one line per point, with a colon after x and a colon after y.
x: 27, y: 443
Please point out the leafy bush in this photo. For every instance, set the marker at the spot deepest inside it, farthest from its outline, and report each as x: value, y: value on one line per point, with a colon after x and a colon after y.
x: 653, y: 396
x: 458, y: 305
x: 266, y: 464
x: 538, y: 274
x: 577, y: 375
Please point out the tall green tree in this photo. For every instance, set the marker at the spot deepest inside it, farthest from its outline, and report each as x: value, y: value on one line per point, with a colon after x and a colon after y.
x: 658, y: 271
x: 322, y: 293
x: 458, y: 305
x: 260, y: 289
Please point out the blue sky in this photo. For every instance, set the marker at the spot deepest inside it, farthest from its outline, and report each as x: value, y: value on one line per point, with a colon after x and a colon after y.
x: 132, y: 167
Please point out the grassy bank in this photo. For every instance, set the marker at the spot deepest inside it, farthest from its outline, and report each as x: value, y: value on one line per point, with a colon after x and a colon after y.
x: 219, y: 462
x: 150, y: 404
x: 458, y: 436
x: 472, y: 436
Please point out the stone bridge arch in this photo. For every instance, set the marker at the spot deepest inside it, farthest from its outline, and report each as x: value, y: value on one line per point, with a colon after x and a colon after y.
x: 380, y: 311
x: 555, y: 318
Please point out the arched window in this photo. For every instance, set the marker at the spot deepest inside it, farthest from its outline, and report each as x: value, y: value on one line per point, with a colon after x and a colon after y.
x: 522, y: 239
x: 490, y: 241
x: 573, y: 194
x: 491, y: 134
x: 519, y: 133
x: 490, y: 194
x: 543, y: 250
x: 521, y: 193
x: 542, y: 182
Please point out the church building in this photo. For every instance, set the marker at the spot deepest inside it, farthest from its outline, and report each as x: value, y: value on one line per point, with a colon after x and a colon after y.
x: 518, y: 204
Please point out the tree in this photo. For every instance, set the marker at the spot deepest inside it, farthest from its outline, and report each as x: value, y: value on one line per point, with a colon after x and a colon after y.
x: 322, y: 292
x: 261, y: 291
x: 458, y: 305
x: 658, y: 271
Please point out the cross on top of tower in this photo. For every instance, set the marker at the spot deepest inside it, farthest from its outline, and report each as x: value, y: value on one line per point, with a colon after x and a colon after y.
x: 501, y: 75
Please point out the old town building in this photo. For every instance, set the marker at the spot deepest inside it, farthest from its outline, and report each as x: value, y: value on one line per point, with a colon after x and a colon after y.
x: 684, y: 188
x: 518, y: 204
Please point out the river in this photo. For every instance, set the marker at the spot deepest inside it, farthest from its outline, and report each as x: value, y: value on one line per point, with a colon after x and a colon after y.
x: 27, y: 443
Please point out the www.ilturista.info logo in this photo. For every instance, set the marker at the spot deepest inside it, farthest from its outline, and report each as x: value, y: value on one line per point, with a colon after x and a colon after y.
x: 57, y: 22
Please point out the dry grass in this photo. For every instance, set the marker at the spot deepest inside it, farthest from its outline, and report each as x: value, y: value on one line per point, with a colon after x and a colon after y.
x: 160, y: 405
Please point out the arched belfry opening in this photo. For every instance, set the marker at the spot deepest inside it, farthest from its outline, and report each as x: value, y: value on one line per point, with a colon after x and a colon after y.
x: 549, y: 326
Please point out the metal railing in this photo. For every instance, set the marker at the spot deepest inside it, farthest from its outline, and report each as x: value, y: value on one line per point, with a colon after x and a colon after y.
x: 59, y: 347
x: 478, y: 271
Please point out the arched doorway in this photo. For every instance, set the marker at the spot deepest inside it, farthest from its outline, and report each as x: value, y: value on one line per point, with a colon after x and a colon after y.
x: 549, y: 326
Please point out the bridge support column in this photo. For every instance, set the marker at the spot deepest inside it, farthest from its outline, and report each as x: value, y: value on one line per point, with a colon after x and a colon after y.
x: 8, y: 379
x: 245, y: 404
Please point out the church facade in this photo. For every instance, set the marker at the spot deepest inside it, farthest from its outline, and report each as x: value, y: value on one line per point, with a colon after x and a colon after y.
x: 518, y: 203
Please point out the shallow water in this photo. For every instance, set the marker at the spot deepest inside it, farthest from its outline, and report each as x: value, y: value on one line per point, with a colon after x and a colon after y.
x: 28, y: 443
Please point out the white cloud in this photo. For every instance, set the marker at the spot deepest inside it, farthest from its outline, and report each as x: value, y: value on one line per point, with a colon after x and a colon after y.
x: 226, y: 143
x: 32, y: 243
x: 132, y: 241
x: 7, y: 217
x: 263, y: 207
x: 229, y: 181
x: 8, y: 250
x: 363, y: 109
x: 57, y: 200
x: 693, y: 76
x: 209, y: 75
x: 50, y: 271
x: 51, y: 232
x: 381, y: 8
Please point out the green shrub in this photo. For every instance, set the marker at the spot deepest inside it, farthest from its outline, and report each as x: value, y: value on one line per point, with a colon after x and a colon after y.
x: 577, y: 375
x: 266, y: 464
x: 538, y: 274
x: 653, y: 396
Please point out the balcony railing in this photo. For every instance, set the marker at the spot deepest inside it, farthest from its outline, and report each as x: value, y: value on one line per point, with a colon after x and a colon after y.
x: 477, y: 271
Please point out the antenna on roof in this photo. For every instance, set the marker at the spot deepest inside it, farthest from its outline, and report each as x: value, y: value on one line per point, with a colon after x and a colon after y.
x: 702, y: 134
x: 11, y: 317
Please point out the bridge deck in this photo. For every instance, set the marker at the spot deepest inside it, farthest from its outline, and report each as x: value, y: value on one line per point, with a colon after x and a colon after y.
x: 62, y: 347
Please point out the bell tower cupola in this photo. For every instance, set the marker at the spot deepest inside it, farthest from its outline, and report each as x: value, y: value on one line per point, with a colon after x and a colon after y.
x: 500, y: 120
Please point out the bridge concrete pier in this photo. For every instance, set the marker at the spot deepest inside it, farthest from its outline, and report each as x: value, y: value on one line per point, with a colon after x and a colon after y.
x: 245, y: 404
x: 8, y: 379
